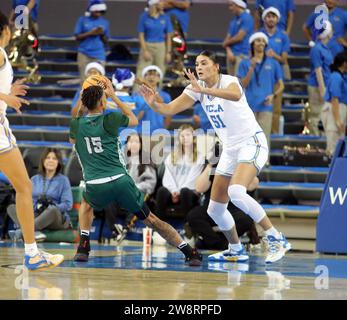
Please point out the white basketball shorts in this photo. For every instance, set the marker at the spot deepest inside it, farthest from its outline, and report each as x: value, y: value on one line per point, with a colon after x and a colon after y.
x: 7, y: 139
x: 253, y: 150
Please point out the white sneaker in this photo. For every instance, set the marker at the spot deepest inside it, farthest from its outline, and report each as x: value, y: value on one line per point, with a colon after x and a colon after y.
x: 230, y: 255
x: 277, y: 248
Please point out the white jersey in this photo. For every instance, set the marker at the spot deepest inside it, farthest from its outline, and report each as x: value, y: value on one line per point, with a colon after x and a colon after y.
x: 6, y: 78
x: 233, y: 121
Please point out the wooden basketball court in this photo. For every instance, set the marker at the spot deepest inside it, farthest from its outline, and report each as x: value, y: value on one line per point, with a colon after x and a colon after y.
x: 134, y: 272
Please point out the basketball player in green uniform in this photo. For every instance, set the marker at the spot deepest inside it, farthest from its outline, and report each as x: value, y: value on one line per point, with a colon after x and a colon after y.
x: 97, y: 144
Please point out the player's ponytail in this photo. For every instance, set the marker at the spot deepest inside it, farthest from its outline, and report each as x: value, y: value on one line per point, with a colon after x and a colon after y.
x: 91, y: 97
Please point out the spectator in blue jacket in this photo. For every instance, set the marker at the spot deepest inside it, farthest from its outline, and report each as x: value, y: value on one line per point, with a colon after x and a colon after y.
x: 52, y: 195
x: 338, y: 19
x: 286, y: 9
x: 150, y: 120
x: 236, y: 41
x: 155, y: 32
x: 263, y: 79
x: 278, y: 48
x: 335, y: 108
x: 321, y: 58
x: 92, y: 30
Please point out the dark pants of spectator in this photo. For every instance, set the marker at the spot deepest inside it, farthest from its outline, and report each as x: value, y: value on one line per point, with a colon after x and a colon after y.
x: 202, y: 226
x: 187, y: 200
x: 51, y: 219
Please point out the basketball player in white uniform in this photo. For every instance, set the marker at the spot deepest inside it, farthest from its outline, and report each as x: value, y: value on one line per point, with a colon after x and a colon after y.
x: 245, y: 152
x: 11, y: 161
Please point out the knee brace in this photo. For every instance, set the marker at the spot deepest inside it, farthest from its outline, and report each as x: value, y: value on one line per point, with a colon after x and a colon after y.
x: 239, y: 197
x: 220, y: 215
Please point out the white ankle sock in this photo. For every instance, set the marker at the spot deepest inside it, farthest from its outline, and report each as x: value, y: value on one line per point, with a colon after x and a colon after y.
x: 273, y: 232
x: 235, y: 246
x: 31, y: 249
x: 85, y: 232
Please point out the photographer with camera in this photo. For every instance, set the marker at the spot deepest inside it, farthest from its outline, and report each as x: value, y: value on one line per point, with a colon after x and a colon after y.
x: 52, y: 196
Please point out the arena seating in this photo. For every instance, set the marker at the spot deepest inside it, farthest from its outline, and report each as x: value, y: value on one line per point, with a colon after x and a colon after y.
x: 45, y: 121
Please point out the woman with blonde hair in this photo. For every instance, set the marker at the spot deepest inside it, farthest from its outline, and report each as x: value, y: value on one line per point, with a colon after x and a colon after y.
x: 182, y: 167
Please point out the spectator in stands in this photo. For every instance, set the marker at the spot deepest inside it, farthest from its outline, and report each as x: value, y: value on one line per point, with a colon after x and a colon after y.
x: 182, y: 167
x: 278, y: 48
x: 203, y: 227
x: 261, y: 75
x: 92, y: 30
x: 334, y: 112
x: 92, y: 68
x: 200, y: 118
x: 286, y: 9
x: 145, y: 178
x: 152, y: 75
x: 33, y: 7
x: 155, y: 32
x: 321, y: 58
x: 52, y: 195
x: 236, y: 41
x: 180, y: 9
x: 338, y: 19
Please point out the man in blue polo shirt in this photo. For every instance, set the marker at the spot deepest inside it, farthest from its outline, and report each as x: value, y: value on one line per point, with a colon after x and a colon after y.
x: 33, y: 7
x: 263, y: 79
x: 93, y: 31
x: 155, y: 32
x: 179, y: 8
x: 236, y: 41
x: 278, y: 48
x: 321, y: 58
x: 149, y: 120
x: 286, y: 9
x: 338, y: 19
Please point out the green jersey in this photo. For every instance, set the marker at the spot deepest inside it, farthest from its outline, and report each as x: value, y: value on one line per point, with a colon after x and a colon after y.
x: 98, y: 145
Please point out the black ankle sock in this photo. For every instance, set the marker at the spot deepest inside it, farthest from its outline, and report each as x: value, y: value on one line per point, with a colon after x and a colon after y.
x: 186, y: 249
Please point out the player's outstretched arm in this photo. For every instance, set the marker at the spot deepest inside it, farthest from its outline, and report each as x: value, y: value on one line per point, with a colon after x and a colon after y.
x: 133, y: 121
x: 181, y: 103
x: 232, y: 92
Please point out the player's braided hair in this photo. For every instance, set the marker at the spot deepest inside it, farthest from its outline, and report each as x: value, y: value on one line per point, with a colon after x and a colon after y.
x: 3, y: 22
x: 91, y: 97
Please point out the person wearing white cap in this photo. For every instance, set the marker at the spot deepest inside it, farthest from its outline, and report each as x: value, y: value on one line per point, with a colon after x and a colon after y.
x: 92, y: 31
x: 321, y: 58
x: 245, y: 152
x: 155, y: 32
x: 285, y: 7
x: 263, y: 79
x: 240, y: 29
x: 153, y: 76
x: 92, y: 68
x: 278, y: 48
x: 337, y: 17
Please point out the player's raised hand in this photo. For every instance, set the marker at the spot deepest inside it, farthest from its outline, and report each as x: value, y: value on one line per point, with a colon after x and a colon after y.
x: 109, y: 91
x: 148, y: 94
x: 193, y: 81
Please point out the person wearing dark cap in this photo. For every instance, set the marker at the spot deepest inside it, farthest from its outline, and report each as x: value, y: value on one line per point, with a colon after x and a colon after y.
x: 92, y: 31
x: 236, y: 41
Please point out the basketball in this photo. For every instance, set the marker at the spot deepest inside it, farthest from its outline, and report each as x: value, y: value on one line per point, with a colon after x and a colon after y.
x: 95, y: 80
